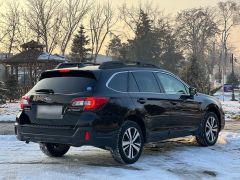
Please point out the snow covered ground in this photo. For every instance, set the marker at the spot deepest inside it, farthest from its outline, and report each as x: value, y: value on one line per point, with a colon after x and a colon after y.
x: 227, y: 95
x: 231, y: 109
x: 9, y: 111
x: 177, y: 159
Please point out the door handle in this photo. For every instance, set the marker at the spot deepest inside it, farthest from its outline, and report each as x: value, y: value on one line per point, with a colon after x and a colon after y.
x: 141, y: 100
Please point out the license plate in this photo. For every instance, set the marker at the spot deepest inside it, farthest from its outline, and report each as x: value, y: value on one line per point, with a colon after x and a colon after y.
x: 49, y: 112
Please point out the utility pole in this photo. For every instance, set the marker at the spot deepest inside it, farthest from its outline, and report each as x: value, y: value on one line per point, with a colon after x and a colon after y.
x: 233, y: 94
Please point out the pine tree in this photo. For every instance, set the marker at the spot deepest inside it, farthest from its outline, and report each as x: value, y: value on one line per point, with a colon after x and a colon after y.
x: 11, y: 86
x: 170, y: 59
x: 233, y: 79
x: 114, y: 48
x: 145, y: 44
x: 197, y: 76
x: 79, y: 51
x: 2, y: 92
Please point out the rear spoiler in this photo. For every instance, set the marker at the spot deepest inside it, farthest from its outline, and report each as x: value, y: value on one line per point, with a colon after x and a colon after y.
x: 67, y: 73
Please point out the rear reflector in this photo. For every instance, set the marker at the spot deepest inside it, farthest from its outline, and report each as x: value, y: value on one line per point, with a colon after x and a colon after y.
x: 86, y: 136
x: 89, y: 103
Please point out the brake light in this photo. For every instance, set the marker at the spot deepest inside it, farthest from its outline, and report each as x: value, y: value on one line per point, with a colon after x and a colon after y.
x: 64, y: 70
x: 89, y: 103
x: 24, y: 102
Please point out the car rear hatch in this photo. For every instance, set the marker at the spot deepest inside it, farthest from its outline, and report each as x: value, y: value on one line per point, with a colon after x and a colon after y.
x: 51, y: 100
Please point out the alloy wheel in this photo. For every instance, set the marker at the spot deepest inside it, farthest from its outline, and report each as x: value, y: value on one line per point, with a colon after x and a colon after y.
x: 131, y: 142
x: 211, y: 129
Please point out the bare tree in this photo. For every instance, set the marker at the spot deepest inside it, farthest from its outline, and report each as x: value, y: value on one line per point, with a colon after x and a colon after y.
x: 195, y: 28
x: 228, y: 14
x: 101, y: 24
x: 13, y: 20
x: 11, y: 25
x: 74, y: 12
x: 24, y: 34
x: 130, y: 14
x: 44, y: 18
x: 3, y: 33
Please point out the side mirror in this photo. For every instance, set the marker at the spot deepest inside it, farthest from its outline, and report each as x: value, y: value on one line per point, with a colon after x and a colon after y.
x: 192, y: 91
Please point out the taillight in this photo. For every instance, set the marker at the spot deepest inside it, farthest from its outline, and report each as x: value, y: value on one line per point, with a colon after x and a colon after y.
x: 24, y: 102
x: 89, y: 103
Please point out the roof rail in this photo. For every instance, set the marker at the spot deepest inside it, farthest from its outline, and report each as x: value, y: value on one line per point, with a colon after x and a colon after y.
x: 120, y: 64
x: 90, y: 63
x: 112, y: 65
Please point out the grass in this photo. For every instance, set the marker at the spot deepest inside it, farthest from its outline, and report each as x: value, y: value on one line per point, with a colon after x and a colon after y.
x: 236, y: 117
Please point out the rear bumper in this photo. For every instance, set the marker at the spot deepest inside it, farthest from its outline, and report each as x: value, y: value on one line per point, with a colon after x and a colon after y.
x: 65, y: 135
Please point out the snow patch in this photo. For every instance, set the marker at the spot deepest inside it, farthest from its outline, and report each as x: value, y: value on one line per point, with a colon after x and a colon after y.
x: 9, y: 111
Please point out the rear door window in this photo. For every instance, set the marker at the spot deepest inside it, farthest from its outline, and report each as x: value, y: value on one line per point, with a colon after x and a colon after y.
x: 119, y: 82
x: 146, y: 81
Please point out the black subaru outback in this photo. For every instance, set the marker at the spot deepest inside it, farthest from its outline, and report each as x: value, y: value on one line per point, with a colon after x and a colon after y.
x: 115, y: 106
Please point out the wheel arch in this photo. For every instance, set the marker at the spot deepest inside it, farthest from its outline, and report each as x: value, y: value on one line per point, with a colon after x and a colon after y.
x: 213, y: 108
x: 140, y: 122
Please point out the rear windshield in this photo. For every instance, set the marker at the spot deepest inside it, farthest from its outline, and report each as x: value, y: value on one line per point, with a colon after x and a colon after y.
x: 65, y: 83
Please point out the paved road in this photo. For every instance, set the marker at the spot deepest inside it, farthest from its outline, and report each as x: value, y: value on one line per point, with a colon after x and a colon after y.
x: 8, y: 128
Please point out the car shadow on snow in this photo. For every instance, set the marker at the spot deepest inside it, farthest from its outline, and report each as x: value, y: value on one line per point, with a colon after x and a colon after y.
x: 169, y: 145
x: 103, y: 158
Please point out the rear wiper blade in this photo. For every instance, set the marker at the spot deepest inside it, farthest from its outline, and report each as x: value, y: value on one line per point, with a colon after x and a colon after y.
x: 50, y: 91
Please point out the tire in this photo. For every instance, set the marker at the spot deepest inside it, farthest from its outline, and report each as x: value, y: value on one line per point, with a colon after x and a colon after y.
x: 129, y: 143
x: 54, y: 150
x: 208, y: 130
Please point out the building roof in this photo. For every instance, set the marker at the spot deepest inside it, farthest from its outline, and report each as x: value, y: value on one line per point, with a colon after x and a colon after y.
x: 33, y: 52
x: 23, y: 57
x: 52, y: 57
x: 32, y: 45
x: 31, y: 55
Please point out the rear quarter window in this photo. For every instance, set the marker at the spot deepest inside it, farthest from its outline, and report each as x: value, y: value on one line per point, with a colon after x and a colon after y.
x: 119, y: 82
